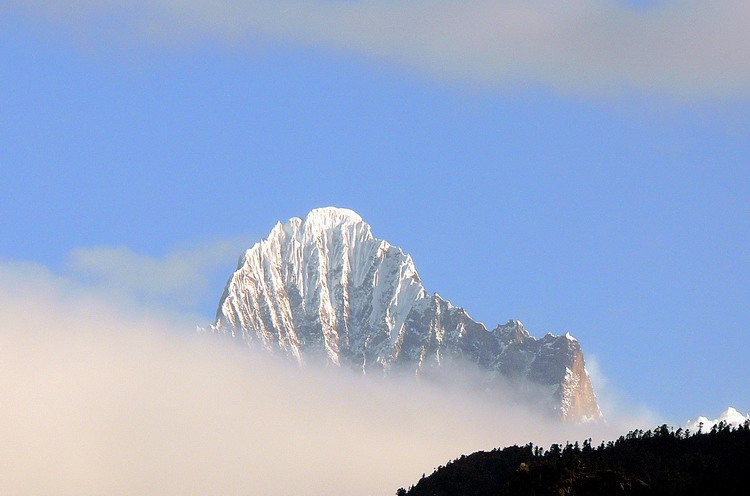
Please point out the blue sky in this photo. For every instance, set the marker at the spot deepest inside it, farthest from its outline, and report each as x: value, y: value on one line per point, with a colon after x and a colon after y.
x: 613, y: 208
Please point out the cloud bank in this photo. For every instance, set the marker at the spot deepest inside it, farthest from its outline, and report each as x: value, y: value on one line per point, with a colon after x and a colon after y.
x: 104, y: 399
x: 678, y: 48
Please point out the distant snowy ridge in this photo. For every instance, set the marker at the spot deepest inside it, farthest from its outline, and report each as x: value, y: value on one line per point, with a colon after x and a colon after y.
x: 324, y: 289
x: 731, y: 416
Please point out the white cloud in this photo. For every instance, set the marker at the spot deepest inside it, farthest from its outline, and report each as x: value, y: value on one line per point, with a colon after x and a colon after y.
x: 179, y: 277
x: 679, y: 48
x: 101, y: 399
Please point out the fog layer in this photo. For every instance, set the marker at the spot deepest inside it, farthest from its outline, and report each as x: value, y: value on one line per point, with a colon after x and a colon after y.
x: 101, y: 397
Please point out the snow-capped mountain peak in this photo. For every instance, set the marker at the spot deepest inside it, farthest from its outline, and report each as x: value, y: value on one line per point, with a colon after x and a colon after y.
x: 332, y: 216
x: 324, y: 289
x: 730, y: 416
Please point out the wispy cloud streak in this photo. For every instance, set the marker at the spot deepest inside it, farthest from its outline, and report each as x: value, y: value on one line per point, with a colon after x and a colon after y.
x: 179, y: 277
x: 678, y: 48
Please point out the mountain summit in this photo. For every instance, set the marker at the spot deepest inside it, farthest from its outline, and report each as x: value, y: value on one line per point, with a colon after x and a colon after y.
x: 324, y: 289
x: 730, y: 416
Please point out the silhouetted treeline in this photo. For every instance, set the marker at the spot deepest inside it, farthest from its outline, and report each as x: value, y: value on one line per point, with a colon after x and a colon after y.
x: 661, y: 462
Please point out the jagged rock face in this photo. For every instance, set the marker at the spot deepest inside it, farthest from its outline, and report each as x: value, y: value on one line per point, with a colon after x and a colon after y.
x: 325, y: 289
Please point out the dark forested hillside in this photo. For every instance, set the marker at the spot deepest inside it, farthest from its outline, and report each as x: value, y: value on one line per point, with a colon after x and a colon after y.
x: 662, y: 462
